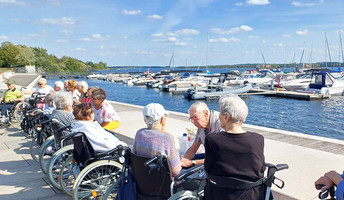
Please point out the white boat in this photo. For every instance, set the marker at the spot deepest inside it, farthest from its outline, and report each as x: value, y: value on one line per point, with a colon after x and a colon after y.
x: 300, y: 83
x: 95, y: 76
x: 327, y: 82
x: 198, y: 95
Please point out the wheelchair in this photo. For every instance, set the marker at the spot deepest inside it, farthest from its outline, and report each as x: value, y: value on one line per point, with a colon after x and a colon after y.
x: 154, y: 180
x: 97, y: 170
x: 327, y: 193
x: 239, y: 185
x: 53, y: 144
x: 41, y: 136
x: 12, y: 112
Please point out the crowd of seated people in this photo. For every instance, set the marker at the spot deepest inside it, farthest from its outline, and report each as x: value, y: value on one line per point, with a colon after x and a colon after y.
x: 230, y: 151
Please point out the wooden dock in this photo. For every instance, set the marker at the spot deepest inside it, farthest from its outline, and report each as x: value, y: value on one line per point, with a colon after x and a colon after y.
x: 288, y: 94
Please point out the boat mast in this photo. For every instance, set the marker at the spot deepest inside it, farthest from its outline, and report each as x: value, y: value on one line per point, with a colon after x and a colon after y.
x: 263, y: 59
x: 340, y: 48
x: 206, y: 56
x: 303, y: 51
x: 327, y: 48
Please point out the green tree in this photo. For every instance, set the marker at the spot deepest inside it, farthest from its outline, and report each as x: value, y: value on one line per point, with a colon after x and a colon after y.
x: 73, y: 65
x: 42, y: 58
x: 25, y: 56
x: 9, y: 54
x: 1, y: 58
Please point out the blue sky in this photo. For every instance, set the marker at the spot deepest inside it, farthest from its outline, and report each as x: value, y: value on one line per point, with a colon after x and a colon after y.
x: 198, y: 32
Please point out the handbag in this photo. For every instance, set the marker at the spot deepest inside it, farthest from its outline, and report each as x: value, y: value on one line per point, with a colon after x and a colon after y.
x: 127, y: 186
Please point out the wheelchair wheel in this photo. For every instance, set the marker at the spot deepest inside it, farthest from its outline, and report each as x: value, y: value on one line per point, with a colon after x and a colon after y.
x: 24, y: 125
x: 34, y: 149
x: 111, y: 192
x: 185, y: 194
x: 94, y: 180
x: 18, y: 111
x: 66, y: 176
x: 55, y: 165
x: 44, y: 155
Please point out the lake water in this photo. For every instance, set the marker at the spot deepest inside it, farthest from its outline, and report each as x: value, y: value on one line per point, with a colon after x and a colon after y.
x: 322, y: 118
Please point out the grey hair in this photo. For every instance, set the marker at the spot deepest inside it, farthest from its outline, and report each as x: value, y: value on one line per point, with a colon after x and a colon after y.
x: 42, y: 80
x: 199, y: 107
x: 59, y: 84
x: 235, y: 107
x: 62, y: 100
x: 83, y: 84
x: 150, y: 122
x: 49, y: 99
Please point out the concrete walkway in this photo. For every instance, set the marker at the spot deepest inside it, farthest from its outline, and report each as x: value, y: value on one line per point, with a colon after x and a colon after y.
x: 308, y: 157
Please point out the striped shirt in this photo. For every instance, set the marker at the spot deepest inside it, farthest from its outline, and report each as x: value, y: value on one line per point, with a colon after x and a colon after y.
x: 150, y: 142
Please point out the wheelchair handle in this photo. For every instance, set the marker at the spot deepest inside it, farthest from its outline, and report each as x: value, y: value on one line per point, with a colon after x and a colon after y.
x: 148, y: 162
x: 188, y: 172
x: 324, y: 194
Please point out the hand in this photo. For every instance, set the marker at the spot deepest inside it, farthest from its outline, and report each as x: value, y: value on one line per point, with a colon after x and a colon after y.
x: 11, y: 100
x: 186, y: 162
x: 327, y: 182
x: 334, y: 176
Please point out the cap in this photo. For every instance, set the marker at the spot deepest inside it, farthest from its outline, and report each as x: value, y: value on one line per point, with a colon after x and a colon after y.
x: 10, y: 81
x: 155, y: 111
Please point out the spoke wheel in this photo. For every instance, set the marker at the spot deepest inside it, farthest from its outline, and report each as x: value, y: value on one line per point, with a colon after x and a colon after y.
x: 111, y: 192
x: 94, y: 180
x: 34, y: 149
x: 66, y: 176
x: 45, y: 158
x: 185, y: 194
x: 55, y: 165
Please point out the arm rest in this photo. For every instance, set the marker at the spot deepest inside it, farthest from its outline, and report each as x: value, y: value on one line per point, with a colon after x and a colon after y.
x: 188, y: 172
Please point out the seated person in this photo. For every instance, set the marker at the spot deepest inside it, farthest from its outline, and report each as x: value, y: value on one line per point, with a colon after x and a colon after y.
x: 49, y: 103
x: 234, y: 153
x: 71, y: 84
x: 9, y: 98
x: 82, y: 87
x: 330, y: 179
x: 154, y: 139
x: 99, y: 138
x: 58, y: 86
x: 63, y: 112
x: 104, y: 113
x: 207, y: 121
x: 42, y: 87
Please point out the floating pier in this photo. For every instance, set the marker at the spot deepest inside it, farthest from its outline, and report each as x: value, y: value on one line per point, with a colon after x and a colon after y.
x: 288, y: 94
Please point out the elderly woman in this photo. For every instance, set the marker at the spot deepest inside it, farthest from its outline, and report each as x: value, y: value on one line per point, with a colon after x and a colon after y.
x: 104, y: 113
x: 154, y: 139
x: 49, y: 103
x: 43, y: 87
x: 63, y: 112
x: 99, y: 138
x: 234, y: 153
x: 58, y: 86
x: 82, y: 87
x: 72, y: 88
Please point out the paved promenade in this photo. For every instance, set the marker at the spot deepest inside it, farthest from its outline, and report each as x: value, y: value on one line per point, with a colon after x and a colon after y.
x: 308, y: 157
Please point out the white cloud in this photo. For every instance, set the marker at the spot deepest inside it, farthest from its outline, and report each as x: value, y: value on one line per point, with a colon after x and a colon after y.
x: 61, y: 41
x: 172, y: 39
x: 80, y: 49
x: 224, y: 40
x: 154, y: 17
x: 279, y: 45
x: 239, y: 4
x: 131, y: 12
x: 180, y: 44
x: 64, y: 21
x: 13, y: 2
x: 301, y: 4
x: 95, y: 37
x: 257, y: 2
x: 157, y: 35
x: 232, y: 30
x: 54, y: 2
x: 67, y: 32
x: 253, y: 37
x: 286, y: 35
x: 304, y: 32
x: 3, y: 37
x: 142, y: 52
x: 186, y: 32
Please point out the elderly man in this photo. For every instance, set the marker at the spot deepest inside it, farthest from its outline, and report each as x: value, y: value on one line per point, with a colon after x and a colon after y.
x: 207, y: 122
x: 154, y: 139
x: 10, y: 96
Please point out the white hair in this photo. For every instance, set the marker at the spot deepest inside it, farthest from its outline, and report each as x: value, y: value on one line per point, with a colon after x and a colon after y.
x: 150, y: 122
x: 62, y: 100
x: 83, y: 84
x: 199, y: 107
x: 42, y: 80
x: 235, y: 107
x: 59, y: 84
